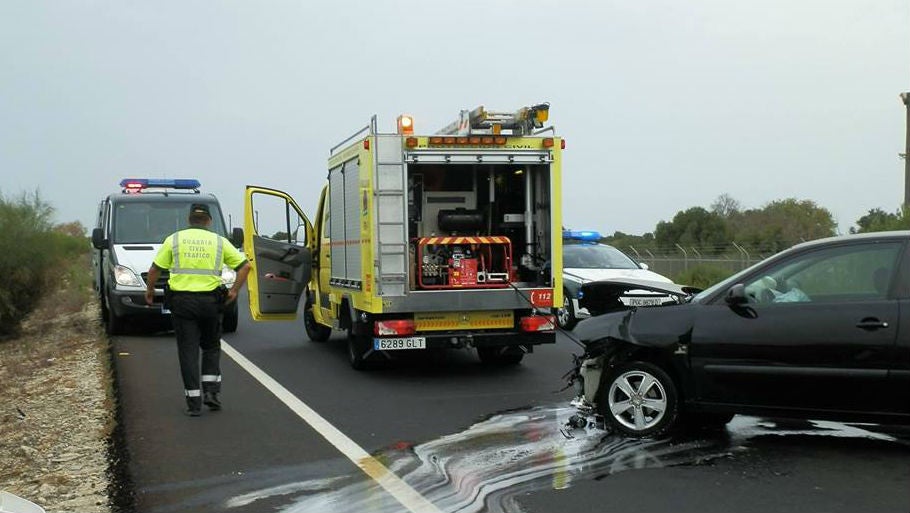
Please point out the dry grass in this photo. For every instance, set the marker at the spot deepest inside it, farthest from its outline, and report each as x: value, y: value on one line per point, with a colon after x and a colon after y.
x: 57, y: 407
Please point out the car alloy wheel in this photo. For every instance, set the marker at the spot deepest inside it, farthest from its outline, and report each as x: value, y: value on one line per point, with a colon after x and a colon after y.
x: 565, y: 316
x: 640, y: 400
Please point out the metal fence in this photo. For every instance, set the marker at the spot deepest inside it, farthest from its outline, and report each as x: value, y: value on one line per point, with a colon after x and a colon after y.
x: 671, y: 262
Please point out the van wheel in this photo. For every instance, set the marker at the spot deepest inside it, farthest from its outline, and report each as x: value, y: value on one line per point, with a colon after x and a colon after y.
x: 504, y: 355
x: 104, y: 311
x: 315, y: 331
x: 359, y: 350
x: 638, y: 399
x: 114, y: 324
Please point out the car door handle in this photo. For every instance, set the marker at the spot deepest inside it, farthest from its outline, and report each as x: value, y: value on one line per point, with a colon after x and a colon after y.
x: 871, y: 323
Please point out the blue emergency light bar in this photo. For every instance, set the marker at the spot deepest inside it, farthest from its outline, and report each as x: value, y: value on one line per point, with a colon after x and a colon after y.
x: 581, y: 235
x: 137, y: 184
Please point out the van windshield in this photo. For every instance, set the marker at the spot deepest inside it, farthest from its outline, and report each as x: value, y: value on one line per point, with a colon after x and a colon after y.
x: 138, y: 222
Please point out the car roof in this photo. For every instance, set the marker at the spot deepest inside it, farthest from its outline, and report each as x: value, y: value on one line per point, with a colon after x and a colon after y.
x: 897, y: 234
x: 163, y: 198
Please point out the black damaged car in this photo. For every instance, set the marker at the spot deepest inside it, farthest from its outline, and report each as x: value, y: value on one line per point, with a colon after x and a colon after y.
x: 820, y: 331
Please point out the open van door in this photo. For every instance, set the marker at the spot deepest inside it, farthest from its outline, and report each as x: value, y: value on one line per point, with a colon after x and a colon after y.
x: 278, y: 240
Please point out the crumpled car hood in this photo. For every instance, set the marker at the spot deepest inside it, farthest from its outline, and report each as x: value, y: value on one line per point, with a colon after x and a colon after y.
x: 658, y: 326
x: 619, y: 286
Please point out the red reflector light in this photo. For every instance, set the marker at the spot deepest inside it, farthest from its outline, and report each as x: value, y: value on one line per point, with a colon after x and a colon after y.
x: 462, y: 140
x: 474, y: 139
x: 398, y: 327
x: 538, y: 323
x: 366, y: 144
x: 450, y: 140
x: 486, y: 140
x: 562, y: 144
x: 411, y: 142
x: 436, y: 140
x: 499, y: 140
x: 548, y: 142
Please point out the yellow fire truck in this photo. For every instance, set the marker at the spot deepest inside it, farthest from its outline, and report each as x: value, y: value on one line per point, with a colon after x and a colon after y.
x: 421, y: 242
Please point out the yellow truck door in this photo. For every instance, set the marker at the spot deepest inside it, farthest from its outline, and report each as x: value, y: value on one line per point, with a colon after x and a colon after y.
x: 278, y: 240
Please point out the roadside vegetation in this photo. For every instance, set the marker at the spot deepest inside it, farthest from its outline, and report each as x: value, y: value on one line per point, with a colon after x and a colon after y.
x: 57, y: 412
x: 38, y: 256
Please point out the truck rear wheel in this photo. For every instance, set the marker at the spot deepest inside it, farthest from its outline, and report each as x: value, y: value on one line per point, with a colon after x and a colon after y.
x: 505, y: 355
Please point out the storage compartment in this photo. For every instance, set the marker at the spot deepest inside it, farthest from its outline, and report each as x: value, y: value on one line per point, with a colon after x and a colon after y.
x: 478, y: 225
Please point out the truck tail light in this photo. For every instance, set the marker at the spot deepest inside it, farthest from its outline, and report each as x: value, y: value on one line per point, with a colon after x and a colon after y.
x: 538, y: 323
x: 399, y: 327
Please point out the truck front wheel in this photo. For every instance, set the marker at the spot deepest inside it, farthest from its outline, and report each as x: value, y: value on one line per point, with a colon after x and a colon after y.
x: 505, y: 355
x: 315, y: 331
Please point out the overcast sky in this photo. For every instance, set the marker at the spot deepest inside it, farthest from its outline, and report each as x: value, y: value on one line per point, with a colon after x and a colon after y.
x: 665, y: 104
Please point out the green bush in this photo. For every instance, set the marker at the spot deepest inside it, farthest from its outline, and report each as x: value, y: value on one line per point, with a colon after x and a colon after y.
x: 33, y: 257
x: 702, y: 275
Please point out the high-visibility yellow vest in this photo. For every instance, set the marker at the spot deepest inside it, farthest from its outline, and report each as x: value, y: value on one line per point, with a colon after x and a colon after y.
x: 196, y: 260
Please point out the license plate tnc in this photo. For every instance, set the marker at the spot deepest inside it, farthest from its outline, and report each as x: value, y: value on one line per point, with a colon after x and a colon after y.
x: 393, y: 344
x: 641, y: 301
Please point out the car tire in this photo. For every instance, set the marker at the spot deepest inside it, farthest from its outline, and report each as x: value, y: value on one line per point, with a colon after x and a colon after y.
x: 229, y: 319
x: 503, y: 355
x: 638, y: 399
x: 315, y: 331
x: 565, y: 316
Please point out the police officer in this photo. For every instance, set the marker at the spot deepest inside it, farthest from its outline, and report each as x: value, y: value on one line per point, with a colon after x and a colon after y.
x: 196, y: 298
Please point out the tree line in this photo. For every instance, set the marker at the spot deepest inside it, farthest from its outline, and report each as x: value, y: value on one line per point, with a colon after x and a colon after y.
x: 773, y: 227
x: 728, y: 231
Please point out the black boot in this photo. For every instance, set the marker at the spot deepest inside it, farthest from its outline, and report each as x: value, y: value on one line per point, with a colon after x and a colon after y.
x: 193, y: 406
x: 211, y: 400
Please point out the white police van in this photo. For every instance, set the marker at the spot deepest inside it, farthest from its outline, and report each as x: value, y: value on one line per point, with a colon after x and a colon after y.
x: 586, y: 260
x: 129, y: 229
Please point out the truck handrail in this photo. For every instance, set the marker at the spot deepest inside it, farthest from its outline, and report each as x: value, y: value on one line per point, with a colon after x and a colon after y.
x: 551, y: 128
x: 371, y: 129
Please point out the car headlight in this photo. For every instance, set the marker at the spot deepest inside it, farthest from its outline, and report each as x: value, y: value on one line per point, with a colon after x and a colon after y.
x: 126, y: 276
x: 228, y: 276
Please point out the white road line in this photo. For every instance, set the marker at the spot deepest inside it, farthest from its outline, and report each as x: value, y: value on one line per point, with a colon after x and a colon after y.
x: 403, y: 493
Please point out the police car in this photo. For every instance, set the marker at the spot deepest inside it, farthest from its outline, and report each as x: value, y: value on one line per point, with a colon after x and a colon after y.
x: 585, y: 260
x: 130, y: 227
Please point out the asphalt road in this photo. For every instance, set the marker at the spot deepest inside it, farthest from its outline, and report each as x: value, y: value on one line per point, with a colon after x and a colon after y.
x: 463, y: 437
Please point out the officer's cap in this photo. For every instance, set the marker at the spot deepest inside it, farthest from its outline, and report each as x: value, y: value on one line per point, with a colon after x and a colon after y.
x: 200, y: 208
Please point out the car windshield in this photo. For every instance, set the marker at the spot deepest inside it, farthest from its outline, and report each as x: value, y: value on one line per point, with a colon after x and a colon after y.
x: 138, y: 222
x: 595, y: 256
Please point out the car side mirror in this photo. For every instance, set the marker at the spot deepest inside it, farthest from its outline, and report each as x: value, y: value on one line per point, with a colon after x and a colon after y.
x: 644, y: 266
x: 737, y: 295
x: 98, y: 240
x: 237, y: 237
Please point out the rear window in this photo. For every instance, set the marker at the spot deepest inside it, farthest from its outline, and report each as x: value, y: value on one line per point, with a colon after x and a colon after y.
x: 139, y: 222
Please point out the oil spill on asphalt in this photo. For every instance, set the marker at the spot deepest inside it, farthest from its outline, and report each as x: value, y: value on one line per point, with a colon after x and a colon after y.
x: 487, y: 466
